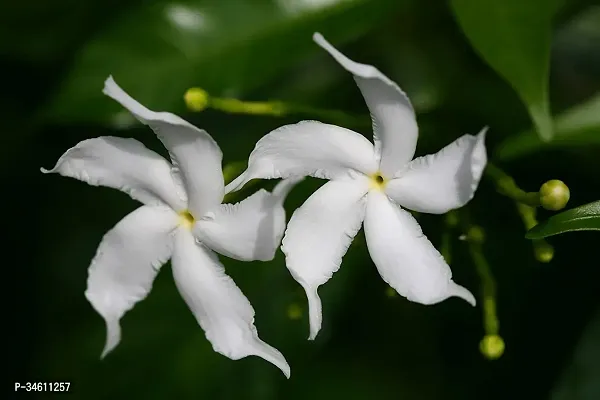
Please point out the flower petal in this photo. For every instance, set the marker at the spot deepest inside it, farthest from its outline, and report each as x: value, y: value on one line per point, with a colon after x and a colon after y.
x: 123, y: 164
x: 319, y: 234
x: 395, y: 128
x: 308, y: 148
x: 126, y: 263
x: 438, y: 183
x: 218, y: 304
x: 405, y: 258
x: 249, y: 230
x: 195, y: 155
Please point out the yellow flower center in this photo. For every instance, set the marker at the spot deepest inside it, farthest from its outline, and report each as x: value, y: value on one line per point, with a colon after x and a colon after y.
x: 378, y: 181
x: 186, y: 219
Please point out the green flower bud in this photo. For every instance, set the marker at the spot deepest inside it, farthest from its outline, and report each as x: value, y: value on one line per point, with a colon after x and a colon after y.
x: 196, y: 99
x: 294, y: 311
x: 554, y: 195
x: 476, y: 234
x: 390, y: 292
x: 492, y: 347
x: 452, y: 219
x: 543, y: 251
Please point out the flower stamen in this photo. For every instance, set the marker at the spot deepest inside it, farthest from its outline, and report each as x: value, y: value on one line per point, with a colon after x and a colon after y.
x: 377, y: 181
x: 186, y: 219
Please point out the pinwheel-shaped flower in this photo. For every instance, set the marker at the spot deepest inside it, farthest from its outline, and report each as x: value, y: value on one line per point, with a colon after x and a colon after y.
x: 182, y: 219
x: 369, y: 183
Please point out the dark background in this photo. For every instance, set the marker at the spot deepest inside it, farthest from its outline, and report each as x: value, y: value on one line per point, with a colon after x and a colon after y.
x: 55, y: 56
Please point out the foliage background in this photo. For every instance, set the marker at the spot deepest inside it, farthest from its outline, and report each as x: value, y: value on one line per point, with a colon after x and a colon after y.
x: 55, y: 56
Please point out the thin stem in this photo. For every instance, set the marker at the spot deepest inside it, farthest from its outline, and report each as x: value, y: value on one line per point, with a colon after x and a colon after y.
x: 279, y: 108
x: 488, y: 288
x: 506, y: 186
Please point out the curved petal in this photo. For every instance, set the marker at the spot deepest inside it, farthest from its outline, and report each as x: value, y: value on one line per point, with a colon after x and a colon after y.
x: 249, y: 230
x: 404, y: 257
x: 319, y: 234
x: 126, y: 263
x: 195, y: 155
x: 308, y: 148
x: 123, y: 164
x: 438, y: 183
x: 395, y: 128
x: 218, y: 304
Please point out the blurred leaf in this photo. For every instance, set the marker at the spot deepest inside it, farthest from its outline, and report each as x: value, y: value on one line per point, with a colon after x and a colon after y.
x: 227, y: 48
x: 232, y: 170
x: 580, y: 125
x: 54, y: 28
x: 580, y: 379
x: 513, y: 37
x: 583, y: 218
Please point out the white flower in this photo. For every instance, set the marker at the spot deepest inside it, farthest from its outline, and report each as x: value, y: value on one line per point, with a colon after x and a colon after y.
x: 369, y: 183
x: 182, y: 219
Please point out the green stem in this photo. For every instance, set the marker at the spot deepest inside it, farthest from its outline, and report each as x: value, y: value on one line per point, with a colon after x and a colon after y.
x: 507, y: 186
x: 488, y: 289
x: 278, y: 108
x: 542, y: 250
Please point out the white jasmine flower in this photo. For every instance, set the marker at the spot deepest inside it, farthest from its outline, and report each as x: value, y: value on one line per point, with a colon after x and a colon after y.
x: 369, y: 183
x: 182, y: 219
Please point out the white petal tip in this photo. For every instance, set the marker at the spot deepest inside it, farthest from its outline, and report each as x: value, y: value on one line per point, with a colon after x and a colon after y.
x: 271, y: 355
x: 46, y: 171
x: 318, y: 38
x: 115, y: 92
x: 105, y: 353
x: 459, y: 291
x: 315, y: 308
x: 109, y: 85
x: 110, y: 345
x: 113, y: 337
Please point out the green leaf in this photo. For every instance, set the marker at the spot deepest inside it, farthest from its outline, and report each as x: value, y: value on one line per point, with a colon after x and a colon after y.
x: 513, y: 37
x: 579, y: 380
x: 228, y: 48
x: 577, y: 126
x: 583, y: 218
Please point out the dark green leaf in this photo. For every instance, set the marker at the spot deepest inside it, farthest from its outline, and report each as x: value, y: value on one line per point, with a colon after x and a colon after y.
x: 577, y: 126
x: 228, y: 48
x: 583, y: 218
x: 513, y: 37
x: 579, y: 380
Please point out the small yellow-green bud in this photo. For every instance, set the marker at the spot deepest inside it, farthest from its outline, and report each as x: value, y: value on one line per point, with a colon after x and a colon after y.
x: 294, y: 311
x: 390, y: 292
x: 451, y: 219
x: 196, y: 99
x: 543, y: 251
x: 476, y: 234
x: 492, y: 346
x: 554, y: 195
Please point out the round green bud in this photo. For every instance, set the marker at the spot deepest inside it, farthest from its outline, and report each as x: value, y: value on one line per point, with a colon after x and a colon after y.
x: 196, y: 99
x: 452, y: 219
x: 543, y: 251
x: 390, y: 292
x: 554, y: 195
x: 476, y: 234
x: 492, y: 347
x: 294, y: 311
